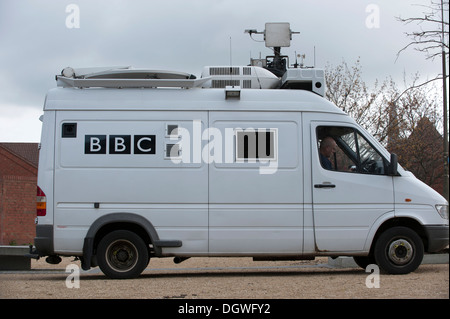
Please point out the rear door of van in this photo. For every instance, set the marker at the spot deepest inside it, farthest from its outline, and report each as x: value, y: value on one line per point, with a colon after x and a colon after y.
x: 130, y: 162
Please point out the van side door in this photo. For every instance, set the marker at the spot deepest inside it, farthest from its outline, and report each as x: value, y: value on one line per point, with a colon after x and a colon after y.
x: 351, y: 190
x: 255, y: 183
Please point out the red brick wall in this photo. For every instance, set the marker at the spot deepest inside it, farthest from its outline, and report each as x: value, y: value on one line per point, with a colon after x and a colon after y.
x: 18, y: 180
x: 17, y: 210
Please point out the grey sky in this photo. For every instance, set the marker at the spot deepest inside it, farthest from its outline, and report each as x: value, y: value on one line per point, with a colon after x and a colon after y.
x: 36, y: 44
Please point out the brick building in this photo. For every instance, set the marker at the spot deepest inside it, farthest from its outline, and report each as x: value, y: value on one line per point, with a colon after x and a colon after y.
x: 18, y: 179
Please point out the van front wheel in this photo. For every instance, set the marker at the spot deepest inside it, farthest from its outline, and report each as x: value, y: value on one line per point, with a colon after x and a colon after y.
x: 399, y: 250
x: 122, y: 254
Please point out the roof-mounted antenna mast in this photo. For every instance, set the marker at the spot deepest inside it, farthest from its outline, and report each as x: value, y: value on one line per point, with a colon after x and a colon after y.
x: 231, y: 62
x: 276, y: 36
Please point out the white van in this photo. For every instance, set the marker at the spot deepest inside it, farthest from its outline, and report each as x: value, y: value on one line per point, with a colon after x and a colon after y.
x: 137, y: 164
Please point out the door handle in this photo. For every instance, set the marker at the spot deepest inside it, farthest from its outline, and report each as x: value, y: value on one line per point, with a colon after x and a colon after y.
x: 325, y: 185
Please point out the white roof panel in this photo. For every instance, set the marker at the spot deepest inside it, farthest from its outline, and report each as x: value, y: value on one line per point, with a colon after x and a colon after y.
x: 172, y: 99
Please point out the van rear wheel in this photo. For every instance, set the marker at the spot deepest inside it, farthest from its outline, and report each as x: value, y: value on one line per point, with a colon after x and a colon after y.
x: 399, y: 250
x: 122, y: 254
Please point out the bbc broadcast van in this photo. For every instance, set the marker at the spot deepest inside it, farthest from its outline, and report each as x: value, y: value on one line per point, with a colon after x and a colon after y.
x: 137, y: 164
x: 241, y: 162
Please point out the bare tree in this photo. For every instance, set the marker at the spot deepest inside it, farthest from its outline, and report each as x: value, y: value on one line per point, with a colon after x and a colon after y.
x: 432, y: 39
x: 404, y: 121
x: 432, y: 35
x: 406, y: 108
x: 347, y: 90
x: 421, y: 152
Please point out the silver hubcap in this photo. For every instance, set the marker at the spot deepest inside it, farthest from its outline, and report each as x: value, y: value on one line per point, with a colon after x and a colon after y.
x: 121, y: 255
x: 400, y: 251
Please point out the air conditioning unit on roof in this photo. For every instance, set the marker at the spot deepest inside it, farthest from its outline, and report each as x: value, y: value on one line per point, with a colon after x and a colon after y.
x: 247, y: 77
x: 304, y: 79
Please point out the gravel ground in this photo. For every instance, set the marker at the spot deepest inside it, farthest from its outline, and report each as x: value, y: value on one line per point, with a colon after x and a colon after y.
x: 226, y: 278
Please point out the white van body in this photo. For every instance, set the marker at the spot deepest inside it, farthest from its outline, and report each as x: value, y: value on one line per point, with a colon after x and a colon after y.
x: 196, y: 172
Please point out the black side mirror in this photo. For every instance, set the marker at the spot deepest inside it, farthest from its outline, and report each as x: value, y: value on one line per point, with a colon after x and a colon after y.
x: 393, y: 165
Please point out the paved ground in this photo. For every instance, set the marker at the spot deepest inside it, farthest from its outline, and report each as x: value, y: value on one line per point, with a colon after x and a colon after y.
x: 226, y: 278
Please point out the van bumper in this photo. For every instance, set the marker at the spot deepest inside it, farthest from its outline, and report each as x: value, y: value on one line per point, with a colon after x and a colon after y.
x: 437, y: 237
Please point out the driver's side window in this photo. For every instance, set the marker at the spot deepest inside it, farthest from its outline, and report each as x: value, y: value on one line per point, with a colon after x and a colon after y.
x: 344, y: 149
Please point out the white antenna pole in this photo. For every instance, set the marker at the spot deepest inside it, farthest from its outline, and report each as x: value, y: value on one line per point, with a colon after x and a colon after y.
x: 231, y: 63
x: 314, y: 56
x: 231, y: 55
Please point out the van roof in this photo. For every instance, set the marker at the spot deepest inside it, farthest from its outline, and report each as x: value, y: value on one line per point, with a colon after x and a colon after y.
x: 196, y: 99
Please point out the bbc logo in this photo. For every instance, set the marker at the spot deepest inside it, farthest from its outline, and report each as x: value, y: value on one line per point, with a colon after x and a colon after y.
x: 120, y: 144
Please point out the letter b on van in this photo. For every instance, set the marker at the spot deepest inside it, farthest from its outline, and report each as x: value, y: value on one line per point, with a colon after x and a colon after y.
x: 95, y: 144
x: 119, y: 144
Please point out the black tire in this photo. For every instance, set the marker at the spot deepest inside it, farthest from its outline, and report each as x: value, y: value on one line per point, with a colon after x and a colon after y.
x: 122, y: 254
x: 399, y: 250
x: 364, y: 261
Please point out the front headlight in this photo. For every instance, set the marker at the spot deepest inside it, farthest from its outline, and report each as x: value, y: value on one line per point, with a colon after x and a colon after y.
x: 442, y: 210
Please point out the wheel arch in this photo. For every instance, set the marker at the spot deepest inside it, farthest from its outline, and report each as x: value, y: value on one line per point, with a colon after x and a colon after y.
x: 401, y: 221
x: 115, y: 221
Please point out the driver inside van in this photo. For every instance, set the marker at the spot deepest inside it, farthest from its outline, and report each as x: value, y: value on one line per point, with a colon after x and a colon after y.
x: 327, y: 149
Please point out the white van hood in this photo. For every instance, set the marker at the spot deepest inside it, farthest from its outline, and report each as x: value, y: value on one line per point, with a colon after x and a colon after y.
x: 416, y: 190
x: 412, y: 196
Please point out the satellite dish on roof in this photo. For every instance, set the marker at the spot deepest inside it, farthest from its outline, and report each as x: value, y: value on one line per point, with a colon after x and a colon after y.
x: 126, y: 77
x: 276, y: 36
x: 125, y: 72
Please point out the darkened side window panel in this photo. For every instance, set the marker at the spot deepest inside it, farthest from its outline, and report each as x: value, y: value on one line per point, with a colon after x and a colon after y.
x: 255, y: 144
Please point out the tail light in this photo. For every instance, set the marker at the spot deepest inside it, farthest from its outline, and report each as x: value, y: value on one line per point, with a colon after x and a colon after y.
x: 41, y: 203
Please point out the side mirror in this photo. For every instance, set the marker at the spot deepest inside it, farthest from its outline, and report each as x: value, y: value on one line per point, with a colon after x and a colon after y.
x: 393, y: 165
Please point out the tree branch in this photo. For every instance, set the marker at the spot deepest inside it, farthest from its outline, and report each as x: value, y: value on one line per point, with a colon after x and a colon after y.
x: 439, y: 77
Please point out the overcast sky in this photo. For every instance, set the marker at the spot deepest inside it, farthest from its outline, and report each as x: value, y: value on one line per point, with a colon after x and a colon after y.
x: 38, y: 38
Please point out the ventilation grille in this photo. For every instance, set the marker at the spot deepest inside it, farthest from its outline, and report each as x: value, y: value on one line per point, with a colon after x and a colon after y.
x: 247, y: 71
x: 230, y: 71
x: 247, y: 84
x: 224, y: 71
x: 218, y: 84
